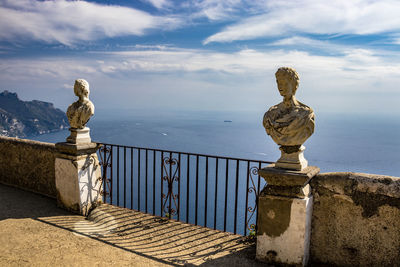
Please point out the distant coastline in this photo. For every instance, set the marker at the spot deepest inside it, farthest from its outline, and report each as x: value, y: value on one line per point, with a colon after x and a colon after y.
x: 29, y: 118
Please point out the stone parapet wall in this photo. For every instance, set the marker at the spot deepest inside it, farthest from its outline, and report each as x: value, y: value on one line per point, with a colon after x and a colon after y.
x: 28, y: 165
x: 356, y: 220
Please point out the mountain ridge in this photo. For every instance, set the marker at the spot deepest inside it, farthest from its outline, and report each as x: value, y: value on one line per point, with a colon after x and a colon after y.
x: 20, y: 118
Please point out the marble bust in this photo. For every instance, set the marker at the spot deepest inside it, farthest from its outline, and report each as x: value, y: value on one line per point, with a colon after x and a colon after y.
x: 289, y: 123
x: 79, y: 113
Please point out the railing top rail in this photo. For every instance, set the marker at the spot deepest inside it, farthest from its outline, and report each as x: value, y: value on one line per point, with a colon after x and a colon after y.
x: 186, y: 153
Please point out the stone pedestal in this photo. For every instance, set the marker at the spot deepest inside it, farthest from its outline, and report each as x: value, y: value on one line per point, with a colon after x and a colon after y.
x: 79, y: 136
x: 78, y: 177
x: 284, y: 216
x: 292, y: 157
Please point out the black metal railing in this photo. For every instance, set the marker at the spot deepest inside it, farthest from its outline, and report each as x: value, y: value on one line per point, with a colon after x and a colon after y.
x: 211, y: 191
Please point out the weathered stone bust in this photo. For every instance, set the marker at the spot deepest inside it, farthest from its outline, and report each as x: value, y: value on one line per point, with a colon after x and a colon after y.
x: 289, y: 123
x: 79, y: 113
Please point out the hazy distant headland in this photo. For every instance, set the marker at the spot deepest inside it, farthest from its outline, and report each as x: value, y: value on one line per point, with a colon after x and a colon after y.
x: 26, y: 118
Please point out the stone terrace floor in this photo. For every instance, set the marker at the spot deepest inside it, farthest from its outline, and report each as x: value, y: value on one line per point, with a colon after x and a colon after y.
x: 34, y: 232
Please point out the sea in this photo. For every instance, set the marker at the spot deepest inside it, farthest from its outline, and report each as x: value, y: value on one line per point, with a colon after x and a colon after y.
x: 340, y: 143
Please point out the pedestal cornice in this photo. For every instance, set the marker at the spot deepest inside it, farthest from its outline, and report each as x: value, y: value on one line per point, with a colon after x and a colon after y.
x: 68, y: 150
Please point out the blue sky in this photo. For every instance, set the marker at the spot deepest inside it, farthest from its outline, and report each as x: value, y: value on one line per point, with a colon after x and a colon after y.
x: 203, y: 54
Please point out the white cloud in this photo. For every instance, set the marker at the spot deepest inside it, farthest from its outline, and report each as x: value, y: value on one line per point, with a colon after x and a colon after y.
x: 69, y: 22
x: 282, y: 18
x: 67, y: 86
x: 298, y: 40
x: 215, y: 10
x: 206, y: 79
x: 159, y: 4
x: 43, y: 69
x: 396, y: 41
x: 354, y: 64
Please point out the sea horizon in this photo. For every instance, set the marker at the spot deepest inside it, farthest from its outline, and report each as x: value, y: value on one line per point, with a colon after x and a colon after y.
x: 341, y: 143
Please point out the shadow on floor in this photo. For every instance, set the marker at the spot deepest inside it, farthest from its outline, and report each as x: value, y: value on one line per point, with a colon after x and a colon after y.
x: 165, y: 241
x: 17, y: 204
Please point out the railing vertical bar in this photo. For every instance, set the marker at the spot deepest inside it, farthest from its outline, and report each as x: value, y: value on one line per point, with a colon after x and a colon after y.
x: 179, y: 187
x: 131, y: 178
x: 258, y: 186
x: 162, y: 183
x: 187, y: 187
x: 197, y: 188
x: 117, y: 175
x: 170, y: 184
x: 124, y: 177
x: 111, y: 175
x: 247, y: 198
x: 226, y: 192
x: 138, y: 181
x: 236, y: 195
x: 206, y: 195
x: 105, y: 173
x: 216, y: 193
x: 258, y: 190
x: 146, y: 178
x: 154, y: 182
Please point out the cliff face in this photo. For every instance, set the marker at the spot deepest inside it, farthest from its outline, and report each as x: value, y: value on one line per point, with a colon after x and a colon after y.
x: 23, y: 118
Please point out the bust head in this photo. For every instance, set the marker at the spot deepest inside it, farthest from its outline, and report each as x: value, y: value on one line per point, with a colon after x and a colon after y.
x: 81, y: 88
x: 287, y: 80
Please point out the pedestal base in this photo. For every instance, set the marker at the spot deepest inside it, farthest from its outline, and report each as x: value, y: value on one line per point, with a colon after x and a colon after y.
x: 292, y: 160
x: 284, y: 216
x: 79, y: 136
x: 78, y: 178
x: 284, y: 229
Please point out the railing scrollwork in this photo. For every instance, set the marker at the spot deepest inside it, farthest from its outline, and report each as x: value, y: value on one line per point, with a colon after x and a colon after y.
x: 170, y: 167
x: 105, y: 153
x: 252, y: 189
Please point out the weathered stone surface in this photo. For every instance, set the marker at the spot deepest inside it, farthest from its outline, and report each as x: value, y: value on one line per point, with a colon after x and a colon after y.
x: 284, y: 216
x: 356, y: 220
x: 289, y: 123
x: 79, y: 136
x: 68, y: 149
x: 294, y: 160
x: 283, y: 232
x: 78, y: 182
x: 287, y: 191
x: 28, y: 164
x: 290, y: 183
x: 284, y: 177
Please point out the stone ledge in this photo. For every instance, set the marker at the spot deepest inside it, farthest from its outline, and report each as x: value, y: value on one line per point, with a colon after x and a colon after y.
x: 28, y: 164
x: 346, y: 183
x: 356, y: 219
x: 16, y: 140
x: 70, y: 149
x: 290, y: 178
x: 287, y: 191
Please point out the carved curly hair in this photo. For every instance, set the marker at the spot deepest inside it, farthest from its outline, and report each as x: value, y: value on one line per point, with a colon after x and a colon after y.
x: 289, y: 73
x: 81, y: 87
